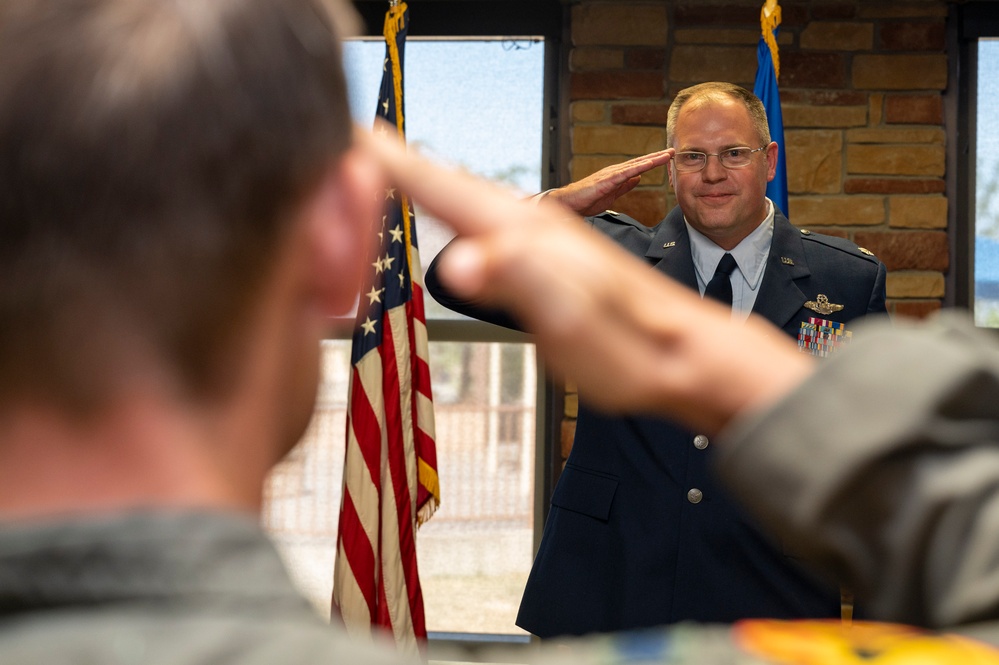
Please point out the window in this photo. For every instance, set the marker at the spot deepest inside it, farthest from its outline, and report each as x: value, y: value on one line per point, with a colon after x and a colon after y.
x: 479, y: 104
x: 986, y: 250
x: 977, y: 258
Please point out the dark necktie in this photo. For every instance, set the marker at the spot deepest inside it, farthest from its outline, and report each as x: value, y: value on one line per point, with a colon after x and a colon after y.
x: 720, y: 286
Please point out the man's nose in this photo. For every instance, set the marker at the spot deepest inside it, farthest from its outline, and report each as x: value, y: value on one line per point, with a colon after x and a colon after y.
x: 713, y: 169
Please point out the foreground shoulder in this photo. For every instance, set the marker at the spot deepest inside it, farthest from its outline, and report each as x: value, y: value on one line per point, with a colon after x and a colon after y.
x: 842, y: 245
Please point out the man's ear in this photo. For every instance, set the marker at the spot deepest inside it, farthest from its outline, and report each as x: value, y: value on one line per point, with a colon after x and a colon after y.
x: 342, y: 214
x: 772, y: 152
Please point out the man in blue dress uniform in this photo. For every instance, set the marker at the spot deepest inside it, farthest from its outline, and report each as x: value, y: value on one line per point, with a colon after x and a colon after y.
x: 640, y: 533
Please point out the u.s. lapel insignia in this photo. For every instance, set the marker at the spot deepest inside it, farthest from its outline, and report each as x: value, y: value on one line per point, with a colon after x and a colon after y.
x: 787, y: 261
x: 671, y: 243
x: 822, y: 305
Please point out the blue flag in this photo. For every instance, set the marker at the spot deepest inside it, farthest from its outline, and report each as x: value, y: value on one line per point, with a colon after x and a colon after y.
x: 765, y: 88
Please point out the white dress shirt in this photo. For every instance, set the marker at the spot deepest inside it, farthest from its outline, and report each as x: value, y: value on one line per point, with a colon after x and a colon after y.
x: 750, y: 257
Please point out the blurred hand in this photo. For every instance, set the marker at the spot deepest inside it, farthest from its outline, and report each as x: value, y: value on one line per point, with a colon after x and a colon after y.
x: 633, y: 340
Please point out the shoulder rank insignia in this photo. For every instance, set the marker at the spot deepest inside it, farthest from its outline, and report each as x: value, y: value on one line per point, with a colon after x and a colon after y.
x: 671, y: 243
x: 822, y: 305
x: 866, y: 251
x: 806, y: 232
x: 787, y: 261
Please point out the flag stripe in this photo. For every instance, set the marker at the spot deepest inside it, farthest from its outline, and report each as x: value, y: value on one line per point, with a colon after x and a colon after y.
x: 361, y: 561
x: 365, y: 421
x: 398, y: 574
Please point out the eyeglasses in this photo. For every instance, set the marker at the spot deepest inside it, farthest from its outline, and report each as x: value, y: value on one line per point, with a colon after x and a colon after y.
x: 734, y: 158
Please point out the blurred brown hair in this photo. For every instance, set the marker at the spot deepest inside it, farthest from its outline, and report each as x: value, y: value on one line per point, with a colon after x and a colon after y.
x: 151, y: 153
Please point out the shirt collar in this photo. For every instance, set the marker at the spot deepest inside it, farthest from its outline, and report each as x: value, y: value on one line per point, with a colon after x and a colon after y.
x: 750, y: 255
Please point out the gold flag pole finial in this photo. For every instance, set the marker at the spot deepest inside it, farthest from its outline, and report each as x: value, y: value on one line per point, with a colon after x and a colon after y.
x: 769, y: 20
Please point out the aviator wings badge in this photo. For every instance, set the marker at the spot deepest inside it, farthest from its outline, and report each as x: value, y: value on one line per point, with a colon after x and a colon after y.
x: 822, y: 305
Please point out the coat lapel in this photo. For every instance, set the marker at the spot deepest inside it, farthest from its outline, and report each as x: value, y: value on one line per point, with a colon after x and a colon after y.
x: 669, y: 250
x: 780, y: 299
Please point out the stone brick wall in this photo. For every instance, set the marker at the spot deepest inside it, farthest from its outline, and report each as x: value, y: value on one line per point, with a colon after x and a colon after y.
x: 861, y: 84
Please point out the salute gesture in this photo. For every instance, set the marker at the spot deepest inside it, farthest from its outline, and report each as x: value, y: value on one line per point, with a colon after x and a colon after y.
x: 597, y: 192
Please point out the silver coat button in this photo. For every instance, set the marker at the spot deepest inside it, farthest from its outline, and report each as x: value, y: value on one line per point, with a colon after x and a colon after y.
x: 700, y: 442
x: 695, y: 495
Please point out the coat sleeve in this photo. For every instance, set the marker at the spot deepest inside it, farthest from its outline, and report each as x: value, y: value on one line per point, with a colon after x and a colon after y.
x: 884, y: 468
x: 469, y: 308
x: 878, y: 294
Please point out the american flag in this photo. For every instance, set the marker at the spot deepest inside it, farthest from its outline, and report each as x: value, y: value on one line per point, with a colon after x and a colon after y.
x: 390, y: 483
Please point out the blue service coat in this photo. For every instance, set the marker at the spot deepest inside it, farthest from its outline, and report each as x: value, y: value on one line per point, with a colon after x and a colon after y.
x: 640, y: 533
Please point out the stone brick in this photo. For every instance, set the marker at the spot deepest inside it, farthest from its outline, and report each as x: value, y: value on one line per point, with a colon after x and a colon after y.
x: 645, y: 58
x: 620, y: 23
x: 824, y: 97
x: 584, y: 165
x: 913, y: 309
x: 917, y: 212
x: 894, y: 186
x: 815, y: 161
x: 793, y: 16
x: 877, y: 108
x: 747, y: 37
x: 815, y: 211
x: 900, y: 72
x: 568, y: 436
x: 647, y: 205
x: 615, y: 140
x: 581, y: 166
x: 904, y: 36
x: 695, y: 64
x: 584, y: 59
x: 934, y: 135
x: 915, y: 285
x: 571, y: 406
x: 914, y: 109
x: 699, y: 13
x: 913, y: 9
x: 924, y: 160
x: 616, y: 85
x: 639, y: 114
x: 837, y: 36
x: 588, y: 111
x: 907, y: 250
x: 823, y: 116
x: 812, y: 70
x: 833, y: 10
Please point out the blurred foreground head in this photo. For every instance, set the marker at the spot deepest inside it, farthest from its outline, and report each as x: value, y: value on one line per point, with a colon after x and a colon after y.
x: 153, y: 156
